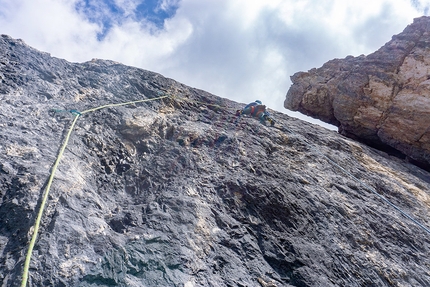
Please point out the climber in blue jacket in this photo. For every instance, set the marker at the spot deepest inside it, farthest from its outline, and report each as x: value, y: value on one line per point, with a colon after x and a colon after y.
x: 257, y: 110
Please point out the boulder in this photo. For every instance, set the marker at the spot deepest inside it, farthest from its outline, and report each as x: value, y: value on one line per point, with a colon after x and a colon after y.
x: 382, y: 99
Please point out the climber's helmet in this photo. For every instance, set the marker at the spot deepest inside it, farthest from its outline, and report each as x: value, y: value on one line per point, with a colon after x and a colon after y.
x: 258, y: 102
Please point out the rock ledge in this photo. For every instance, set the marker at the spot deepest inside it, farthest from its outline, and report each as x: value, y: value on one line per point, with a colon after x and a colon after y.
x: 382, y: 99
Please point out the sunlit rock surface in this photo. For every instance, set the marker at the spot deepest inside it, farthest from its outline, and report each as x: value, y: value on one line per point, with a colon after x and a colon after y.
x: 382, y: 99
x: 176, y: 192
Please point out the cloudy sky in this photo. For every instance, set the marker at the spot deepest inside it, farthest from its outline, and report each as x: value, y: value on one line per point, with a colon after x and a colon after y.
x: 238, y: 49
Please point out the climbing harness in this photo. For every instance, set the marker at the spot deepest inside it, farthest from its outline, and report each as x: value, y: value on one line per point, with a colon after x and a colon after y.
x: 77, y: 114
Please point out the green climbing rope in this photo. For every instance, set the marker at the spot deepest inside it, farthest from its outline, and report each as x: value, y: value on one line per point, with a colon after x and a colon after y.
x: 122, y: 104
x: 77, y: 114
x: 42, y: 205
x: 51, y: 178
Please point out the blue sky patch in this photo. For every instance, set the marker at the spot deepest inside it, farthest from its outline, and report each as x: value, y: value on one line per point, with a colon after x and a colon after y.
x: 106, y: 13
x: 151, y: 10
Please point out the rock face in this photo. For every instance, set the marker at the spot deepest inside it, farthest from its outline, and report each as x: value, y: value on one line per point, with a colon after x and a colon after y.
x: 382, y: 99
x: 176, y: 192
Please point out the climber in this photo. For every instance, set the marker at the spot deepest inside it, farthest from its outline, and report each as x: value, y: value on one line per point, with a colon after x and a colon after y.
x: 257, y: 110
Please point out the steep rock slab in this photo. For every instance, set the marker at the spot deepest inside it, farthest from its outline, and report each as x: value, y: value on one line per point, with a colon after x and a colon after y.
x: 382, y: 99
x: 177, y: 193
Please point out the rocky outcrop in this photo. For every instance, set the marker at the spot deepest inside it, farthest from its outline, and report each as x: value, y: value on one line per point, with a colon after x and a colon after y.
x: 176, y: 192
x: 381, y: 99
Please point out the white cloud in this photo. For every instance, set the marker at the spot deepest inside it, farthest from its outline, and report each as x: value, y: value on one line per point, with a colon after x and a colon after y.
x: 49, y: 25
x: 133, y: 45
x: 128, y: 6
x: 240, y: 49
x: 168, y: 4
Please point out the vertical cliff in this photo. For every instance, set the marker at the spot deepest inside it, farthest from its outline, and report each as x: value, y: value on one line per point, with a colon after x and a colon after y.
x: 381, y: 99
x: 178, y: 192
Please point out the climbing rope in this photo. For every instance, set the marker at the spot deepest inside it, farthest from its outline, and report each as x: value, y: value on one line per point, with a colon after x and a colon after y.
x: 122, y: 104
x: 77, y: 114
x: 206, y: 104
x: 366, y: 186
x: 371, y: 189
x: 42, y: 205
x: 36, y: 226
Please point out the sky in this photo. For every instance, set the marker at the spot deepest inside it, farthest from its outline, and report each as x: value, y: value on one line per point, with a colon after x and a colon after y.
x: 238, y: 49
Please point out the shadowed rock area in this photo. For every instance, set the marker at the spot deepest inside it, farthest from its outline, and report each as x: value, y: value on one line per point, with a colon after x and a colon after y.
x: 382, y: 99
x: 177, y: 192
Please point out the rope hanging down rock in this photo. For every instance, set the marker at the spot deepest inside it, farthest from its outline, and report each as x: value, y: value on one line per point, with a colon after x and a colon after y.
x: 36, y: 226
x: 77, y: 114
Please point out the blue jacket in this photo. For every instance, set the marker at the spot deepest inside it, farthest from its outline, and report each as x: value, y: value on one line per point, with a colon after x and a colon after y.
x: 250, y: 105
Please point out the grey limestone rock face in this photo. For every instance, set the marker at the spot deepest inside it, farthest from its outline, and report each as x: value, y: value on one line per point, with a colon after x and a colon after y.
x: 178, y: 192
x: 381, y: 99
